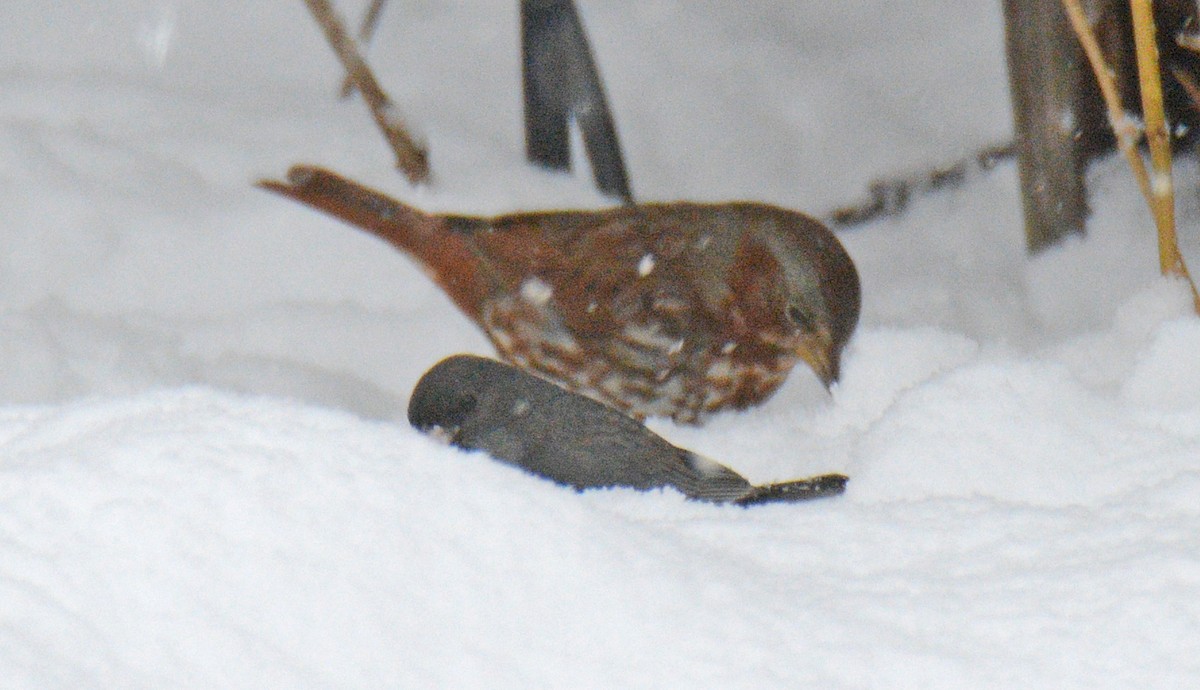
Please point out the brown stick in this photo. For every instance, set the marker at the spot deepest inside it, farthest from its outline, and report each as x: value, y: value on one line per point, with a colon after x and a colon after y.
x: 366, y: 31
x: 1188, y: 82
x: 1189, y: 41
x: 890, y: 196
x: 411, y: 159
x: 1162, y: 192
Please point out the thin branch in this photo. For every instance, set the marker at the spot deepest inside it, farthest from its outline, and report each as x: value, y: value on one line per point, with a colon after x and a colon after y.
x: 890, y: 196
x: 1123, y: 126
x: 411, y: 159
x: 1162, y: 202
x: 1189, y: 41
x: 1190, y: 87
x: 366, y: 31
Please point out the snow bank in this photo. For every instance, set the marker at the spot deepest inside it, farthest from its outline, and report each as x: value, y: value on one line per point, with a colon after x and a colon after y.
x: 206, y: 479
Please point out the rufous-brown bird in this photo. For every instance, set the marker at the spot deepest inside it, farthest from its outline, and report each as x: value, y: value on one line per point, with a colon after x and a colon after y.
x: 673, y: 309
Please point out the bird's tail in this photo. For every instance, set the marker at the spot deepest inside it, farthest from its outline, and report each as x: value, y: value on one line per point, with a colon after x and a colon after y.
x: 797, y: 490
x: 445, y: 254
x: 404, y: 226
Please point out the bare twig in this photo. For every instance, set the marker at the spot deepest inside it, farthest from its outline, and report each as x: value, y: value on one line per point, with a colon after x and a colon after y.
x: 889, y: 197
x: 1123, y: 126
x: 411, y: 159
x: 1190, y: 87
x: 1162, y: 200
x: 366, y: 31
x: 1189, y: 41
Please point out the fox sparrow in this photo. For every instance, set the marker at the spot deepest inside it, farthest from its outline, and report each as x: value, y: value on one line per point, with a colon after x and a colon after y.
x: 479, y: 404
x: 657, y: 309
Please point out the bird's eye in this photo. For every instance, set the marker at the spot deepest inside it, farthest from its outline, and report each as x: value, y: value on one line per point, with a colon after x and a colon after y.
x: 800, y: 317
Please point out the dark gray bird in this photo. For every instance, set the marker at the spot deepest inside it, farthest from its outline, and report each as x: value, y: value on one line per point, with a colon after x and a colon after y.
x: 480, y: 404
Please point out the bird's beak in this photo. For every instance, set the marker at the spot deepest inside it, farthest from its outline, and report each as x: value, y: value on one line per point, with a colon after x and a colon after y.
x: 823, y: 355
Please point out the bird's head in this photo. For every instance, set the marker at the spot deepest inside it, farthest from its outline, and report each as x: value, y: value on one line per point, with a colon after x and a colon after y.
x: 797, y: 288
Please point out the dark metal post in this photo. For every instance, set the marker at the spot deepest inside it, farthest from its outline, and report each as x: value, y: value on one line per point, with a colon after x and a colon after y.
x: 561, y: 81
x: 1047, y: 72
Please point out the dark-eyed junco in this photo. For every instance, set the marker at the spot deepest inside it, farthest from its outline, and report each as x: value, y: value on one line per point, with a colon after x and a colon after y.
x: 480, y: 404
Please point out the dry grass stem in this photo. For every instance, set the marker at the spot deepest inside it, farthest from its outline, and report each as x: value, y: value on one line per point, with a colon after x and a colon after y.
x: 411, y: 159
x: 1158, y: 191
x: 1162, y: 186
x: 1127, y: 131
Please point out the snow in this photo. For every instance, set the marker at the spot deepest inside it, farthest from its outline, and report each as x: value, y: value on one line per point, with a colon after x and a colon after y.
x: 206, y: 479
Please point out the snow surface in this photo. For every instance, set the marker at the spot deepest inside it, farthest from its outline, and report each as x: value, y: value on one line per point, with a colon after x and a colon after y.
x: 206, y: 479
